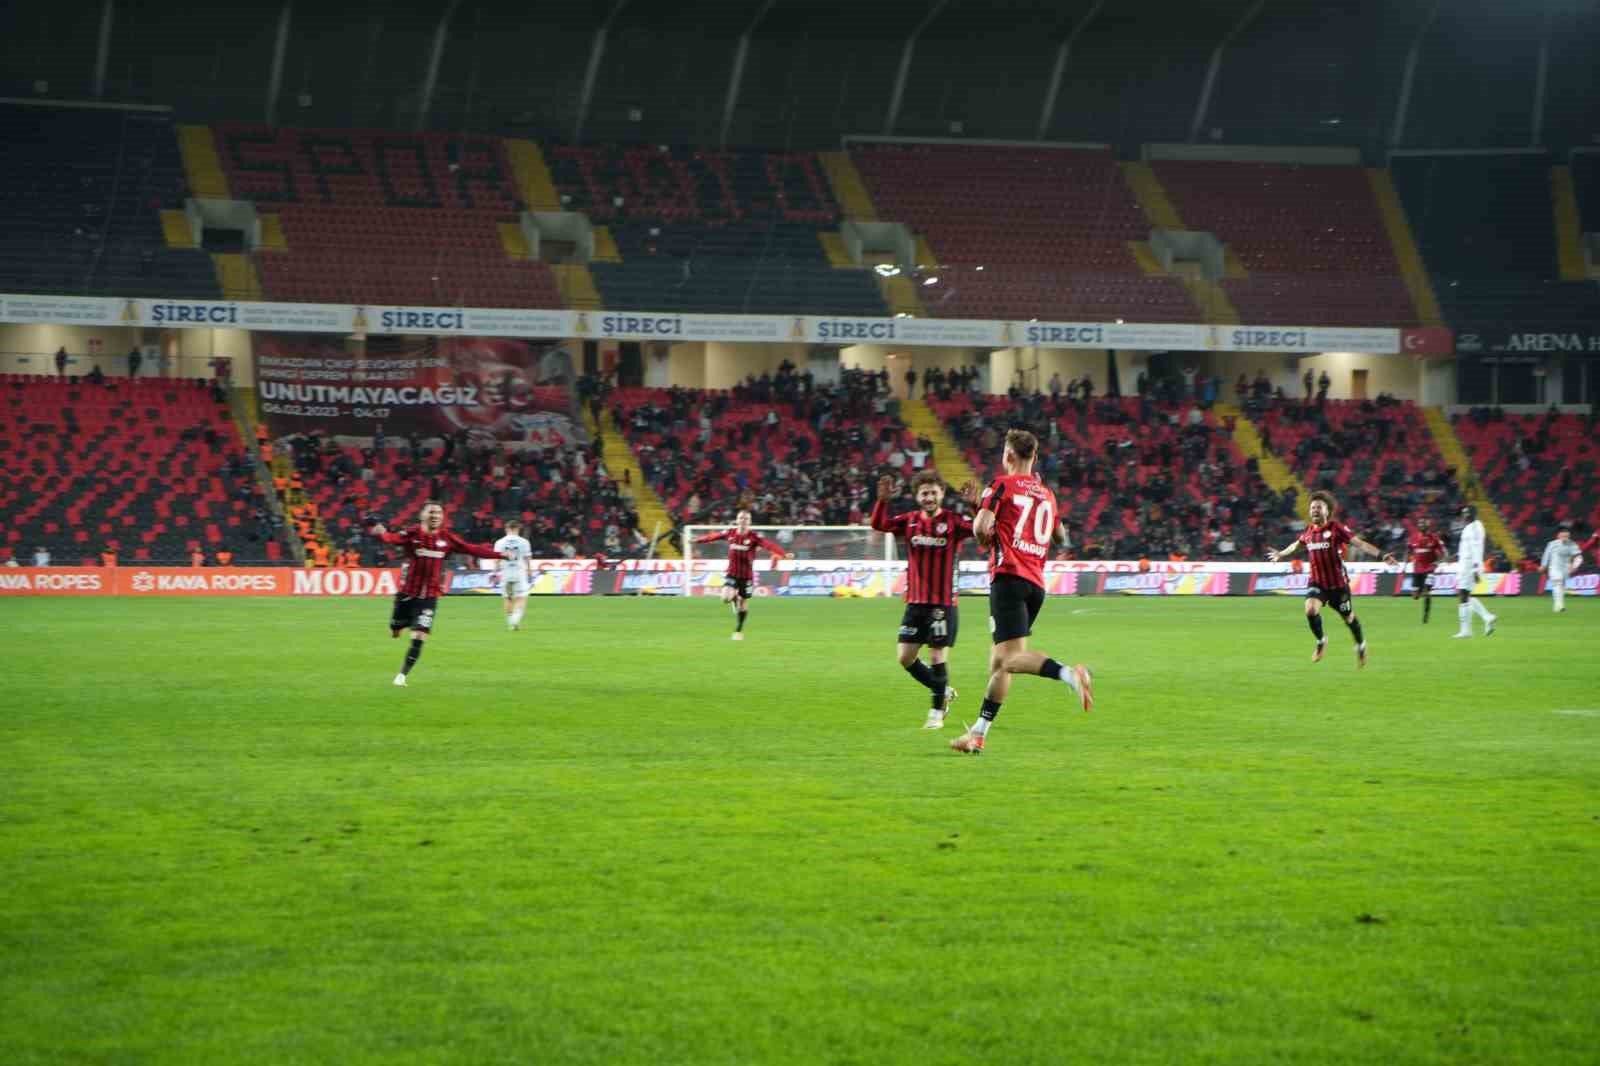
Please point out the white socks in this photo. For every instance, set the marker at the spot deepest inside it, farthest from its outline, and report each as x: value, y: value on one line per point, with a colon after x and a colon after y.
x: 1478, y: 608
x: 515, y: 617
x: 1464, y: 612
x: 980, y: 728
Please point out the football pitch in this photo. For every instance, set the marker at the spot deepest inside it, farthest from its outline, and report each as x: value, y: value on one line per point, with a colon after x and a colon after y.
x: 619, y: 837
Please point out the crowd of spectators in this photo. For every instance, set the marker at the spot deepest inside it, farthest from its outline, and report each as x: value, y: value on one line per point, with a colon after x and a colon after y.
x: 563, y: 492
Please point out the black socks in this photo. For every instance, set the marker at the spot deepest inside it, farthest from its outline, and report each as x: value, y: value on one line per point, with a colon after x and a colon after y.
x: 1052, y: 669
x: 740, y: 627
x: 413, y: 653
x: 919, y: 671
x: 1315, y: 622
x: 989, y: 709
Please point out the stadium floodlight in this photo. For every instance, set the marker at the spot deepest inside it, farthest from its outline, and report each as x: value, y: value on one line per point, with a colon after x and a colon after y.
x: 886, y: 270
x: 934, y: 280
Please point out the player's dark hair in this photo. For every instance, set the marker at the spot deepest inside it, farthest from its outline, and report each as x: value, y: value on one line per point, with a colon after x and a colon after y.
x: 927, y: 477
x: 1325, y: 497
x: 1022, y: 443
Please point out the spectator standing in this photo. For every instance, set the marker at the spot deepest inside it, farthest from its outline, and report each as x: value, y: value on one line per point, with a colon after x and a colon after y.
x: 1308, y: 381
x: 1323, y: 383
x: 135, y: 361
x: 61, y: 361
x: 41, y: 556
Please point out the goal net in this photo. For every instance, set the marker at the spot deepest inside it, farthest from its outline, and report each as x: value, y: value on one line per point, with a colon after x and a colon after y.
x: 844, y: 544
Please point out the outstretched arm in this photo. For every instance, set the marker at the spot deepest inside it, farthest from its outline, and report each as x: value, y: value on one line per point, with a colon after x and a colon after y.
x: 881, y: 520
x: 1283, y: 553
x: 709, y: 537
x: 481, y: 551
x: 776, y: 549
x: 1372, y: 549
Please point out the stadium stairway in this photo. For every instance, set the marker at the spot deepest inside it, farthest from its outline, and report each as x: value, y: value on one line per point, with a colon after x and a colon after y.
x: 623, y: 466
x: 531, y: 173
x: 1274, y: 471
x: 304, y: 524
x: 899, y: 292
x: 244, y: 407
x: 201, y: 163
x: 1569, y: 226
x: 1404, y: 243
x: 848, y: 188
x: 947, y: 457
x: 1208, y: 296
x: 1494, y: 524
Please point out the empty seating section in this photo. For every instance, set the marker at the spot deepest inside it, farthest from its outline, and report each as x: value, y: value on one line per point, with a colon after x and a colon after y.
x: 1486, y: 228
x: 1540, y: 470
x: 81, y: 195
x: 1310, y: 238
x: 1378, y: 459
x: 1133, y: 478
x: 384, y: 218
x: 712, y: 231
x: 151, y: 470
x: 1586, y: 184
x: 1048, y: 226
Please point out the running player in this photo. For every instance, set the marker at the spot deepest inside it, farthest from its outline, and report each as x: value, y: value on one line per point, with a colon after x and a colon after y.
x: 932, y: 537
x: 739, y: 583
x: 1423, y: 554
x: 1324, y: 541
x: 1018, y: 524
x: 516, y: 572
x: 1469, y: 566
x: 1561, y: 558
x: 426, y: 547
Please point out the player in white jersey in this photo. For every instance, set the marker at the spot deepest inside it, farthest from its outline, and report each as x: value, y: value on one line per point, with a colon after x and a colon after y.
x: 516, y: 574
x: 1469, y: 567
x: 1561, y: 558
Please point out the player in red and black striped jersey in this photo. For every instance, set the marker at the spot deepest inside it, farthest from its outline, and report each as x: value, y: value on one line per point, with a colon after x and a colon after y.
x: 426, y: 547
x: 739, y: 583
x: 1325, y: 540
x: 1018, y: 523
x: 932, y: 536
x: 1425, y: 551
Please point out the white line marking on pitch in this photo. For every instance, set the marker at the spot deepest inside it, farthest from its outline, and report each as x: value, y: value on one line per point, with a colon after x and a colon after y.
x: 1580, y: 712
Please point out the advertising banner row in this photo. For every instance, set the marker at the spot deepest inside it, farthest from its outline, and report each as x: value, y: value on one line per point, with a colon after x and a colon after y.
x: 581, y: 577
x: 469, y: 322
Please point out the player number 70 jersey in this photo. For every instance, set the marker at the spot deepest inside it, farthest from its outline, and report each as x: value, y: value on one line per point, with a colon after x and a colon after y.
x: 1025, y: 517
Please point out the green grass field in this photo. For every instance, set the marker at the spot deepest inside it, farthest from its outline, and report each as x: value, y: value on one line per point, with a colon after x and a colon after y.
x: 619, y: 837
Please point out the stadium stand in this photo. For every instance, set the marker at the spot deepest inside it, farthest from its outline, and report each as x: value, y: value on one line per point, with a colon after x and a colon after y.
x: 1050, y: 229
x: 151, y: 470
x: 567, y: 501
x: 799, y: 454
x: 1309, y: 237
x: 370, y: 217
x: 81, y: 196
x: 1487, y: 231
x: 1376, y: 456
x: 1136, y: 477
x: 1540, y: 469
x: 711, y: 231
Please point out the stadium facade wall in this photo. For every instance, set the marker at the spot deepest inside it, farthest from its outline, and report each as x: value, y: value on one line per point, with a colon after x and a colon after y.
x: 30, y: 349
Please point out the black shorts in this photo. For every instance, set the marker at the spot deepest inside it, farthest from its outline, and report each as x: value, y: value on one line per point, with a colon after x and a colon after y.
x: 743, y: 587
x: 1421, y: 581
x: 1013, y: 605
x: 1337, y: 598
x: 414, y: 612
x: 930, y: 624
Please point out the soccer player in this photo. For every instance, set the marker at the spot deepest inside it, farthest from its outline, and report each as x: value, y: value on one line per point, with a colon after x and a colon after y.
x: 740, y: 581
x: 1018, y: 524
x: 1469, y: 564
x: 1592, y: 545
x: 426, y: 546
x: 1424, y: 553
x: 1561, y: 558
x: 516, y: 572
x: 1324, y: 541
x: 932, y: 537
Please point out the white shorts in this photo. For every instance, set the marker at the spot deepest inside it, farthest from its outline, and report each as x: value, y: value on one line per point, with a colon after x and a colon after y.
x: 1467, y: 580
x: 513, y: 589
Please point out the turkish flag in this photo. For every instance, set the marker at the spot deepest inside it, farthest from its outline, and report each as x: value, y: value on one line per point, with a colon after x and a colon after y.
x: 1428, y: 340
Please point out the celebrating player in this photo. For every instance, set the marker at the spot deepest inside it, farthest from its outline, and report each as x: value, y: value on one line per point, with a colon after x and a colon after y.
x: 740, y: 581
x: 1561, y: 558
x: 1324, y: 541
x: 426, y: 547
x: 1423, y: 553
x: 1469, y: 566
x: 1017, y: 523
x: 932, y: 536
x: 516, y: 572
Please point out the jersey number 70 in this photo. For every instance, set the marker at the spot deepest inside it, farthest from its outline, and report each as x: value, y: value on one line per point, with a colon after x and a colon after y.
x: 1044, y: 519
